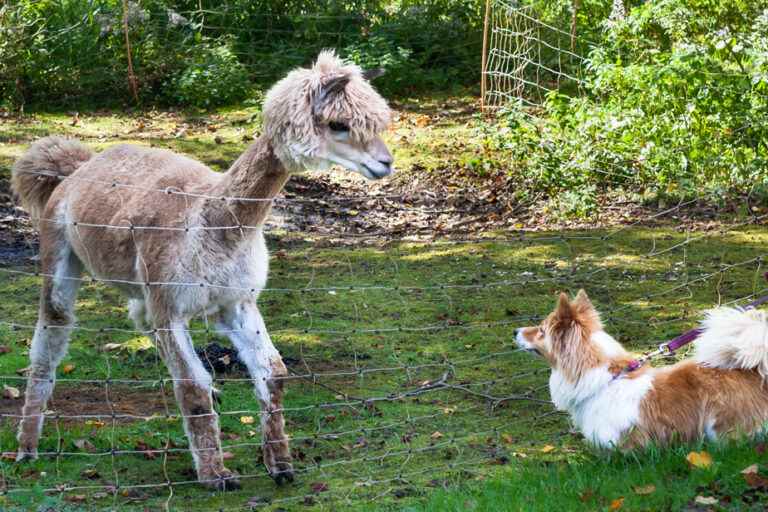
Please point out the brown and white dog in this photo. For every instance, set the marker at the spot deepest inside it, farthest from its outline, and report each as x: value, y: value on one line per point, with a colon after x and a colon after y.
x: 721, y: 391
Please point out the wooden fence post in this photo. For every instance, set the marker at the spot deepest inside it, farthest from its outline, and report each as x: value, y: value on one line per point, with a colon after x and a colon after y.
x: 483, y: 84
x: 131, y: 75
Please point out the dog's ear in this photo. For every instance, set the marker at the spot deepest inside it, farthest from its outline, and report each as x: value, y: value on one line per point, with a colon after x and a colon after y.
x: 564, y: 311
x: 586, y: 312
x: 582, y: 302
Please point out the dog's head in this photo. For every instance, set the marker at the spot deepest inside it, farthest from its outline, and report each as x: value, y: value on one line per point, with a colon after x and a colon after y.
x: 571, y: 339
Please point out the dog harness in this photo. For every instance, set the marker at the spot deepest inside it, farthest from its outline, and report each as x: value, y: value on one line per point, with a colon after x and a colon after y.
x: 675, y: 344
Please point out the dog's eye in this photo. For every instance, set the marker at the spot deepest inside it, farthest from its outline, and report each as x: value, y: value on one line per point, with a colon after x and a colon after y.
x: 338, y: 127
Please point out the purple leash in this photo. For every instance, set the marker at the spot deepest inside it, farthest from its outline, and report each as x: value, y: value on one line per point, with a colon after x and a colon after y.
x: 684, y: 339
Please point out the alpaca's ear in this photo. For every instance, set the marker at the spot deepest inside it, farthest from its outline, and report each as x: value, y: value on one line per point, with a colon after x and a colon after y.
x: 373, y: 74
x: 329, y: 89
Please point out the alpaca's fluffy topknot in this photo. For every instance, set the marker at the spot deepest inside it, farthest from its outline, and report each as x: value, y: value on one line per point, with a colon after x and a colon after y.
x: 293, y: 123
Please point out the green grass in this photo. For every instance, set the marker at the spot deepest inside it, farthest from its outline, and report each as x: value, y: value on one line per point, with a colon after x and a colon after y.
x: 398, y: 452
x: 650, y: 480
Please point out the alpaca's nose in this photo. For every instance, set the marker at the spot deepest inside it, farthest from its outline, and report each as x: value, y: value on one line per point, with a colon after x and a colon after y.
x: 387, y: 162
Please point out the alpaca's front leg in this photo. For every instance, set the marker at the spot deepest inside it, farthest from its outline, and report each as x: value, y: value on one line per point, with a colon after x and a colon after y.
x: 243, y: 324
x: 192, y: 386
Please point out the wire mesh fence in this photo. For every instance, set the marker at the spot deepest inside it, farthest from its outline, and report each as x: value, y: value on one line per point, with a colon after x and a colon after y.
x: 526, y: 57
x: 432, y: 392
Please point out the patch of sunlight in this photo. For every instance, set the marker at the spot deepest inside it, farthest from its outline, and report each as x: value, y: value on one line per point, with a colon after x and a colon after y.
x: 11, y: 151
x: 437, y: 253
x: 296, y: 337
x: 137, y: 344
x: 621, y: 260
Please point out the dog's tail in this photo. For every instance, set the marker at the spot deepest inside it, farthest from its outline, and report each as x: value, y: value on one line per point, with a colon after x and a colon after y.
x: 42, y: 167
x: 733, y: 339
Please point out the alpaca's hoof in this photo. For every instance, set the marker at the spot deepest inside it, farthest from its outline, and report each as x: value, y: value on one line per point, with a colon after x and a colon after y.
x: 284, y: 474
x: 26, y: 453
x: 225, y: 481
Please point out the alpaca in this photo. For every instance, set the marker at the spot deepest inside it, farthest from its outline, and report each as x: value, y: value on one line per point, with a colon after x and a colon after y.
x: 313, y: 118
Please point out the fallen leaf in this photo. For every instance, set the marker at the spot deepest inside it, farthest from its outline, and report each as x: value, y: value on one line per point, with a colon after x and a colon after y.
x: 706, y: 500
x: 449, y: 410
x: 75, y: 498
x: 4, y: 349
x: 225, y: 359
x: 507, y: 438
x: 547, y: 448
x: 246, y: 420
x: 95, y: 423
x: 11, y: 392
x: 436, y: 434
x: 85, y: 445
x: 149, y: 453
x: 699, y: 459
x: 112, y: 346
x: 68, y: 368
x: 318, y: 487
x: 642, y: 490
x: 616, y: 504
x: 8, y: 456
x: 753, y: 478
x: 227, y: 455
x: 90, y: 474
x: 750, y: 470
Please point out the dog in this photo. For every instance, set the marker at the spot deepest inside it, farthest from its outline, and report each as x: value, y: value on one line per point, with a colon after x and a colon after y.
x: 617, y: 403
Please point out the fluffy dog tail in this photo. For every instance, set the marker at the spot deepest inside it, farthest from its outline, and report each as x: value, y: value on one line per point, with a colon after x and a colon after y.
x: 42, y: 167
x: 733, y: 339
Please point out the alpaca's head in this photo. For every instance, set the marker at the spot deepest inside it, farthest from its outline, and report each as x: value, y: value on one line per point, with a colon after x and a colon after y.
x: 328, y: 114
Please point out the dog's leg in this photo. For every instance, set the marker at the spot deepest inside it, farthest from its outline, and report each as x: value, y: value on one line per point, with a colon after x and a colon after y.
x: 51, y: 338
x: 192, y: 386
x: 244, y: 326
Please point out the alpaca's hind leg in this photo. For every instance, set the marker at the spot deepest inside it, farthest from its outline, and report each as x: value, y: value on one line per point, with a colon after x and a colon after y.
x: 192, y: 386
x: 244, y: 326
x: 137, y: 312
x: 49, y: 344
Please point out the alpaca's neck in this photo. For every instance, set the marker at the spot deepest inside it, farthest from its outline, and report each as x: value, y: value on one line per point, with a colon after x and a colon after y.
x: 256, y: 174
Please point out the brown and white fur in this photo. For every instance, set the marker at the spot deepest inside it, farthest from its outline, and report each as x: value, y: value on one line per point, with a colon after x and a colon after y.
x: 720, y: 392
x: 313, y: 118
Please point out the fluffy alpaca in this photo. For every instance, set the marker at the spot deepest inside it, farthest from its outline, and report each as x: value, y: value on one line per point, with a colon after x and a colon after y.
x: 313, y: 118
x: 720, y: 392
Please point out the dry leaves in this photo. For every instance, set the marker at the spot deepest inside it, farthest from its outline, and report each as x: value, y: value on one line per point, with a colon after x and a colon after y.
x: 4, y: 349
x: 706, y: 500
x: 11, y: 392
x: 436, y: 434
x: 247, y: 420
x: 85, y: 445
x: 616, y: 504
x: 753, y: 477
x: 547, y: 448
x: 643, y: 490
x: 68, y: 368
x: 701, y: 459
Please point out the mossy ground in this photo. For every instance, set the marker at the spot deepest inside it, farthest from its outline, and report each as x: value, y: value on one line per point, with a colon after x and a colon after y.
x: 395, y: 452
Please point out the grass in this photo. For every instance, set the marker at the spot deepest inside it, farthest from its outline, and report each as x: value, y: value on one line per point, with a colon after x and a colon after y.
x: 651, y: 480
x: 397, y: 452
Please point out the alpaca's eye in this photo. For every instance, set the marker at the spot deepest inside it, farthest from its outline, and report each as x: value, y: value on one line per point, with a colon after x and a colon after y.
x: 338, y: 127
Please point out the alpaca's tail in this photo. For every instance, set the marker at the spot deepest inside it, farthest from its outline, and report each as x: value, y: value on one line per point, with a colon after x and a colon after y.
x: 42, y: 167
x: 733, y: 338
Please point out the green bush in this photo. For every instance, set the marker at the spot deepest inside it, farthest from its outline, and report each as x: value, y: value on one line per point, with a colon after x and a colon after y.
x: 212, y: 77
x: 676, y: 105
